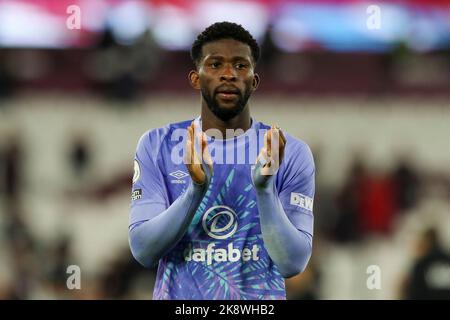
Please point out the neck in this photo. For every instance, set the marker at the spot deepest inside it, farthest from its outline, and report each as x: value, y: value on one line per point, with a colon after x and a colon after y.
x: 211, y: 121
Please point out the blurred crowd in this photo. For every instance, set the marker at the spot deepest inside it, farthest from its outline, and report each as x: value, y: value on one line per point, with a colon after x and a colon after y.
x: 129, y: 72
x: 39, y: 266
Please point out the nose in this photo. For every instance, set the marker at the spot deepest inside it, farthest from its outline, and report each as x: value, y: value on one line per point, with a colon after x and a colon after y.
x: 228, y: 74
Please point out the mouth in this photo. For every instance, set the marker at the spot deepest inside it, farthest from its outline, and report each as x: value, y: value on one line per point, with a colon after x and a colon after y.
x: 229, y: 93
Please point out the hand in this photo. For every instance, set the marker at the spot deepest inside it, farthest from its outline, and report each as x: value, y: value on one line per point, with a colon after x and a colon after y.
x: 200, y: 169
x: 269, y: 158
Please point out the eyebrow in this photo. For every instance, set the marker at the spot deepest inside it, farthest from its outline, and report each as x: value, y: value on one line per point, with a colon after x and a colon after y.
x: 219, y: 57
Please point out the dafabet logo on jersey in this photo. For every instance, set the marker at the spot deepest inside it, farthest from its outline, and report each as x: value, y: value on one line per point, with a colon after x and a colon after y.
x: 220, y: 223
x: 302, y: 201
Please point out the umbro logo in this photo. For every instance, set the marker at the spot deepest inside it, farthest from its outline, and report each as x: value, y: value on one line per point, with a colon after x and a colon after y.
x: 178, y: 175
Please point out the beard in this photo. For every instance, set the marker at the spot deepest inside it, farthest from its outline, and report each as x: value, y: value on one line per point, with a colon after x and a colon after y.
x: 225, y: 114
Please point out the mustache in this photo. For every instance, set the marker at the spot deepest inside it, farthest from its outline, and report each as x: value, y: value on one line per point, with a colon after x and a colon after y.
x: 227, y: 89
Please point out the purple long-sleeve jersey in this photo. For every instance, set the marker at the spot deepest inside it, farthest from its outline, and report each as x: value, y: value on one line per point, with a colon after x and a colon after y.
x: 222, y: 254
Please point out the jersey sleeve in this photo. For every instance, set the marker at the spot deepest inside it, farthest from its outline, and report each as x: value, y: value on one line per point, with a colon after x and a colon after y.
x: 296, y: 185
x: 149, y: 196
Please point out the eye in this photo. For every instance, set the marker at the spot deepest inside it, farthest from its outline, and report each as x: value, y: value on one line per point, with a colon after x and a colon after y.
x: 241, y: 66
x: 215, y: 65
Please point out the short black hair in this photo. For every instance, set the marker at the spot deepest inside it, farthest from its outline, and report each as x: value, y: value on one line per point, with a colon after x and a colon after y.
x: 223, y: 30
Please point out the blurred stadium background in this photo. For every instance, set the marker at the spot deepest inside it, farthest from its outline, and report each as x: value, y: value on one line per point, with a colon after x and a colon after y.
x: 372, y: 102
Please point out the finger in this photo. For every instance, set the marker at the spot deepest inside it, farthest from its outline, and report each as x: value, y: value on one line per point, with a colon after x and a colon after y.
x: 282, y: 142
x: 266, y: 134
x: 197, y: 157
x: 203, y: 142
x: 202, y: 145
x: 205, y: 152
x: 269, y: 142
x: 275, y: 145
x: 194, y: 154
x: 262, y: 158
x: 282, y: 136
x: 282, y: 145
x: 265, y: 163
x: 188, y: 157
x: 275, y: 141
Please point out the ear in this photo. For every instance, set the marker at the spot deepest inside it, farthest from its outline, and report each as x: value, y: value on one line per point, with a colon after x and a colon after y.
x: 256, y: 80
x: 194, y: 79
